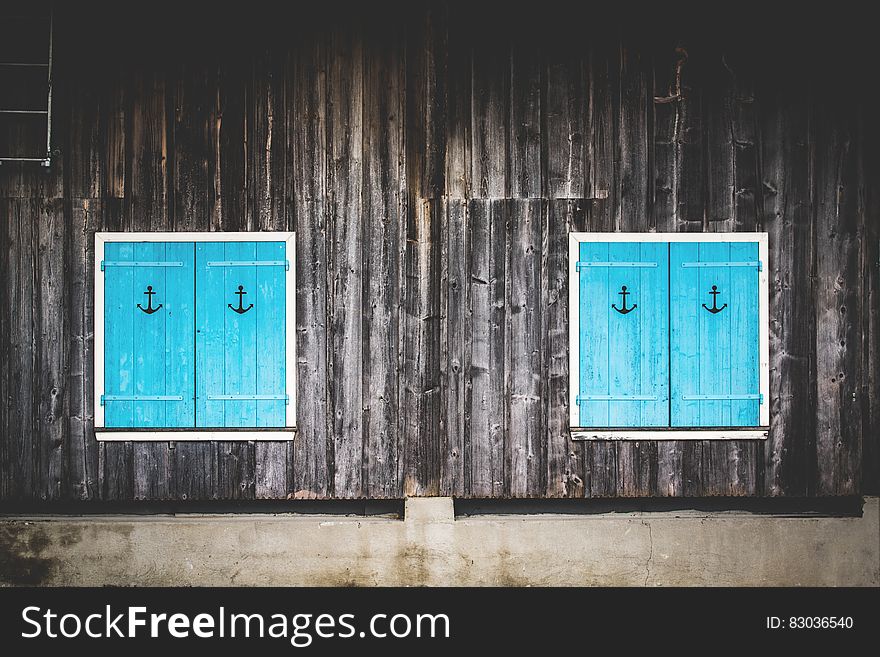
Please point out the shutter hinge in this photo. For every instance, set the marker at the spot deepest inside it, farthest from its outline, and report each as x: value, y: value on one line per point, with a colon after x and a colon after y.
x: 583, y: 264
x: 588, y: 398
x: 249, y: 398
x: 749, y: 263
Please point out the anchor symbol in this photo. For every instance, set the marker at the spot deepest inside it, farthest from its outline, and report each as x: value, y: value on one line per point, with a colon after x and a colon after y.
x: 149, y: 309
x: 714, y: 309
x: 624, y: 310
x: 241, y: 310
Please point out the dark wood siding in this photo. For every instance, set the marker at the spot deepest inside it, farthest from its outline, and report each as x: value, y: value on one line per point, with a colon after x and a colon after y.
x: 432, y: 162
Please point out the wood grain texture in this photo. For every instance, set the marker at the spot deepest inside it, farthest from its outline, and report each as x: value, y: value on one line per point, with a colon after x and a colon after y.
x: 870, y: 170
x: 565, y: 120
x: 432, y: 163
x: 345, y: 255
x: 787, y: 216
x: 307, y: 131
x: 839, y: 300
x: 80, y: 481
x: 382, y: 235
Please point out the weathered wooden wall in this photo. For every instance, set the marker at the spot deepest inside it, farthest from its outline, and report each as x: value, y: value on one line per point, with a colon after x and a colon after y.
x: 432, y: 162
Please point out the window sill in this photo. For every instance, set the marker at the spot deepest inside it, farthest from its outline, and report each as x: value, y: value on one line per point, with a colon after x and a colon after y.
x: 206, y: 434
x: 658, y: 433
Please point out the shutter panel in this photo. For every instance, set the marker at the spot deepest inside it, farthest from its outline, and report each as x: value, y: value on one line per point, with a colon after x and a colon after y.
x: 624, y: 358
x: 714, y: 355
x: 241, y: 368
x: 148, y: 327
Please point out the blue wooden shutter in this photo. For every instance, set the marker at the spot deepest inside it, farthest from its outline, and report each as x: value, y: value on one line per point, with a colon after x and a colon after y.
x: 624, y: 358
x: 714, y: 356
x: 241, y: 356
x: 148, y: 356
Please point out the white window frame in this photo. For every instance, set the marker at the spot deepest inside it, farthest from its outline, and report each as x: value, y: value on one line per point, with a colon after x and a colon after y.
x: 673, y: 433
x: 103, y: 433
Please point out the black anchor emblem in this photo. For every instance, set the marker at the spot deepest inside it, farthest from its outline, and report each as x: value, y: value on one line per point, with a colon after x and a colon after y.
x: 241, y: 310
x: 714, y: 309
x: 624, y: 310
x: 149, y: 309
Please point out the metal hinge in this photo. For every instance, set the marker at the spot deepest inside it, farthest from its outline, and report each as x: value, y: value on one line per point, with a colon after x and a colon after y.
x: 759, y: 397
x: 581, y: 264
x: 106, y: 398
x: 250, y: 263
x: 588, y: 398
x: 286, y: 398
x: 139, y: 264
x: 749, y: 263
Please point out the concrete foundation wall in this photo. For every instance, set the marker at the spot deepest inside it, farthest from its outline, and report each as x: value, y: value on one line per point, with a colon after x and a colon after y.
x: 432, y: 547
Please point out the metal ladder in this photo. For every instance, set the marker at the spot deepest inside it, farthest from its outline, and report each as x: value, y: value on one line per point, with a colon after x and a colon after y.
x: 18, y: 66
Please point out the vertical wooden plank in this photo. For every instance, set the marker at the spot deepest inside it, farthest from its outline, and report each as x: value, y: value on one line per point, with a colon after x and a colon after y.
x: 313, y: 448
x: 525, y: 118
x: 346, y: 259
x: 713, y: 347
x: 478, y: 456
x: 719, y: 151
x: 83, y: 149
x: 631, y: 127
x: 269, y: 299
x: 594, y: 334
x: 435, y: 98
x: 456, y: 340
x: 382, y: 137
x: 50, y: 329
x: 565, y: 462
x: 487, y: 408
x: 119, y: 352
x: 624, y: 343
x: 421, y: 344
x: 870, y: 171
x: 525, y: 441
x: 21, y: 481
x: 5, y: 350
x: 744, y: 335
x: 81, y: 451
x: 490, y: 96
x: 684, y: 291
x: 426, y: 100
x: 786, y: 154
x: 677, y: 151
x: 267, y: 185
x: 565, y: 118
x: 193, y: 96
x: 839, y: 301
x: 458, y: 121
x: 148, y: 338
x: 603, y: 79
x: 179, y: 340
x: 230, y: 147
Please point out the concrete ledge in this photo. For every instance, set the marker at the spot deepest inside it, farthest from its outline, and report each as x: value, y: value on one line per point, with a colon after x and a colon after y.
x: 433, y: 548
